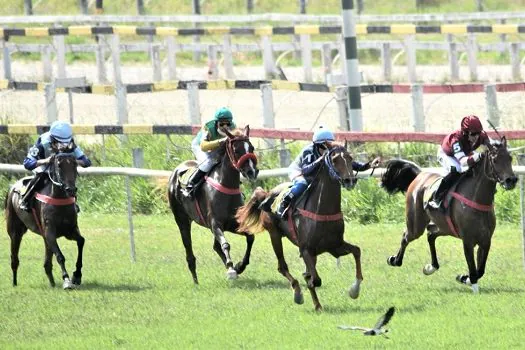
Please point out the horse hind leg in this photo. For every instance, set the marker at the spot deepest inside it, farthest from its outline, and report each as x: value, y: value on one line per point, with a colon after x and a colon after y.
x: 416, y: 222
x: 48, y: 264
x: 472, y: 278
x: 184, y: 223
x: 282, y: 267
x: 77, y: 275
x: 16, y: 230
x: 241, y: 265
x: 347, y: 248
x: 433, y: 234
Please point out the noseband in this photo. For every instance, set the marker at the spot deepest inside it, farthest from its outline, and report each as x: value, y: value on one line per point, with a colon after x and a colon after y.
x: 330, y: 164
x: 237, y: 163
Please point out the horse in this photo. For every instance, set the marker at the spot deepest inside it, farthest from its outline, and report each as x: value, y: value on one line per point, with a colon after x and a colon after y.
x: 216, y: 200
x: 469, y: 208
x: 315, y: 224
x: 52, y: 215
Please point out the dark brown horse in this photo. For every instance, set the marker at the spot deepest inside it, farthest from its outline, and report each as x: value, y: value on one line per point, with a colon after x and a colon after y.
x: 52, y: 215
x: 469, y: 213
x: 315, y: 225
x: 216, y: 201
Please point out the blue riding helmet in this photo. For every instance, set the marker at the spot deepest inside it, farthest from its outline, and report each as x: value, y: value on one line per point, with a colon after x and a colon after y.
x: 61, y: 131
x: 322, y: 135
x: 223, y: 113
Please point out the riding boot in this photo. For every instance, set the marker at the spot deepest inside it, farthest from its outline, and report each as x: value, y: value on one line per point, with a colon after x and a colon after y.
x: 193, y: 182
x: 23, y: 202
x: 443, y: 188
x: 285, y: 205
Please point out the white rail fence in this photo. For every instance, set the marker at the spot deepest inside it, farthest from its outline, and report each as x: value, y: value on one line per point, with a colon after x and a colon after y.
x: 263, y: 174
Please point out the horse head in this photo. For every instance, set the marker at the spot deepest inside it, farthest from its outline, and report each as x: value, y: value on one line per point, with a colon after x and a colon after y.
x: 63, y: 172
x: 499, y: 162
x: 240, y: 153
x: 339, y: 163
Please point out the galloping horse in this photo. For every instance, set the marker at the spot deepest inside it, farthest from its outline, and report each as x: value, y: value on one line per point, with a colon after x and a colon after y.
x: 469, y: 213
x: 216, y: 201
x: 53, y: 215
x: 315, y: 225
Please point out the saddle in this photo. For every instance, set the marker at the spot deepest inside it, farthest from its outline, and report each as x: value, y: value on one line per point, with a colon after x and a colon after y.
x: 185, y: 175
x: 429, y: 192
x: 273, y: 201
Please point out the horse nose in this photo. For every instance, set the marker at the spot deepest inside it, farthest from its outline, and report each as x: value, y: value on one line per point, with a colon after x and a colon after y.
x: 349, y: 182
x: 510, y: 182
x: 71, y: 191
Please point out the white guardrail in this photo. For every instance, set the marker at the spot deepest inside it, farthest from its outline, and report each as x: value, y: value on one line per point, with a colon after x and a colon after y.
x: 263, y: 174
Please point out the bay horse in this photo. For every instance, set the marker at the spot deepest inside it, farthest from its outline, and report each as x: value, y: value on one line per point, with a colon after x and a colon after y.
x: 216, y: 201
x: 315, y: 225
x: 469, y: 208
x: 52, y: 215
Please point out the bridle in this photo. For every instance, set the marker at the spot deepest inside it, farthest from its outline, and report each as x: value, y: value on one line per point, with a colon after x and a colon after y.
x: 489, y: 163
x: 330, y: 163
x: 238, y: 163
x: 54, y: 173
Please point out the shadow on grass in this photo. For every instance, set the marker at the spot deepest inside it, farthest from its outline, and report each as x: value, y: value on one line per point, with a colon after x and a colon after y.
x: 250, y: 283
x: 464, y: 289
x: 113, y: 287
x: 341, y: 309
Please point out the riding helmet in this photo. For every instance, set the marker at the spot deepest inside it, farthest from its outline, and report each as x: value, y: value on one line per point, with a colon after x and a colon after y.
x: 223, y: 113
x: 322, y: 135
x: 61, y: 131
x: 471, y: 123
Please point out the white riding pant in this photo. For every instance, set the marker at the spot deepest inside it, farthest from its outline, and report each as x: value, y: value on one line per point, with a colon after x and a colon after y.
x: 206, y: 160
x: 449, y: 162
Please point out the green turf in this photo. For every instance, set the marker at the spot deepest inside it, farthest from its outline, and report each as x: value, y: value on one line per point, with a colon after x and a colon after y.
x: 153, y: 303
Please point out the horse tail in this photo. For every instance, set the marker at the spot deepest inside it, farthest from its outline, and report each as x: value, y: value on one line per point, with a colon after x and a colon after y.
x: 399, y: 175
x: 250, y: 217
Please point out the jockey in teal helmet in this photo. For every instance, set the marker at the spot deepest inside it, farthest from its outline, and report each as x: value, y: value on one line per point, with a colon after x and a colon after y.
x: 302, y: 169
x: 59, y: 139
x: 206, y: 144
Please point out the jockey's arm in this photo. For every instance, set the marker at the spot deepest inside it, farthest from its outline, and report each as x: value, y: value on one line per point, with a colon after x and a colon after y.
x: 210, y: 145
x: 35, y: 156
x: 82, y: 159
x: 309, y: 165
x: 465, y: 160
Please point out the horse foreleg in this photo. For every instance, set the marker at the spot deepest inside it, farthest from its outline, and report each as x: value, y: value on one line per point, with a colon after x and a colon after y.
x: 397, y: 260
x: 282, y: 267
x: 472, y: 278
x: 16, y: 240
x: 225, y: 246
x: 483, y: 254
x: 61, y: 260
x: 313, y: 281
x: 77, y: 275
x: 241, y: 265
x: 347, y: 248
x: 48, y: 264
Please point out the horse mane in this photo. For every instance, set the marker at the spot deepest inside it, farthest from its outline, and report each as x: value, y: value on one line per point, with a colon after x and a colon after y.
x: 399, y: 175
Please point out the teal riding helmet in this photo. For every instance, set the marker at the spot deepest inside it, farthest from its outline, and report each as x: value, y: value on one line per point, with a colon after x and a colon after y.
x: 223, y: 113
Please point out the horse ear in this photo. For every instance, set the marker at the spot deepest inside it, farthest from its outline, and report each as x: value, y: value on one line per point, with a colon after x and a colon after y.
x: 247, y: 130
x: 346, y: 144
x: 504, y: 141
x: 228, y: 133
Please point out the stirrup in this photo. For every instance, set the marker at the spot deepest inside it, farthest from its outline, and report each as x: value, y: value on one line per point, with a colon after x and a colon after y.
x: 188, y: 192
x: 23, y: 205
x: 283, y: 212
x: 434, y: 204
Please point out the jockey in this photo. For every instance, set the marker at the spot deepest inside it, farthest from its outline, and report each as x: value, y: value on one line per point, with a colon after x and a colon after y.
x: 59, y: 138
x: 302, y: 169
x: 205, y: 146
x: 457, y: 153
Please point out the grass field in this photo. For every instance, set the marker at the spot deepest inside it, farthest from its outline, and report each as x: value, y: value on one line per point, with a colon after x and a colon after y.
x: 153, y: 303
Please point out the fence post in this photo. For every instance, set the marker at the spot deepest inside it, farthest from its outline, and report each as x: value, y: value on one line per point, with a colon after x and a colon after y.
x: 284, y: 155
x: 491, y: 101
x: 130, y: 221
x: 28, y: 7
x: 227, y: 56
x: 115, y: 57
x: 453, y: 58
x: 196, y: 10
x: 51, y: 102
x: 99, y: 7
x: 155, y: 61
x: 472, y: 50
x: 268, y: 115
x: 386, y: 58
x: 306, y: 57
x: 60, y: 46
x: 47, y: 67
x: 410, y: 48
x: 83, y: 4
x: 140, y: 7
x: 326, y: 57
x: 269, y: 67
x: 418, y: 112
x: 341, y: 96
x: 172, y: 57
x: 213, y: 70
x: 138, y: 157
x: 515, y: 61
x: 7, y: 60
x: 193, y: 103
x: 100, y: 57
x: 122, y: 105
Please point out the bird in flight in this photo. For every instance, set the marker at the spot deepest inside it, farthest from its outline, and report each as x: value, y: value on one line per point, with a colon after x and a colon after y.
x: 378, y: 329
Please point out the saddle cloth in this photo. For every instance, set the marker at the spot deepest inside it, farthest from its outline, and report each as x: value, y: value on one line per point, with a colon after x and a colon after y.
x: 20, y: 186
x: 185, y: 176
x: 278, y: 198
x: 429, y: 192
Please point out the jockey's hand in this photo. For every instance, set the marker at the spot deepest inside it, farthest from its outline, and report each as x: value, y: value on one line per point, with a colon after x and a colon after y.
x: 476, y: 156
x: 223, y: 140
x: 44, y: 161
x: 374, y: 163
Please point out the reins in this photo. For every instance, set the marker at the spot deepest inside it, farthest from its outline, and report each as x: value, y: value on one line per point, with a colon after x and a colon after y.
x: 237, y: 163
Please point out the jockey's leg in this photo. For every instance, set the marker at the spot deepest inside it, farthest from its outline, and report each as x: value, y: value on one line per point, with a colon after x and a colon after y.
x: 31, y: 186
x: 443, y: 188
x: 298, y: 187
x: 196, y: 178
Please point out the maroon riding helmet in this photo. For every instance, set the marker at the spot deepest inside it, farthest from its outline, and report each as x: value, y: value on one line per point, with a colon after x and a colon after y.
x: 471, y: 124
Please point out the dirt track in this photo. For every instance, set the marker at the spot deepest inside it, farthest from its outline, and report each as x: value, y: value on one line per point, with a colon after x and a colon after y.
x: 301, y: 110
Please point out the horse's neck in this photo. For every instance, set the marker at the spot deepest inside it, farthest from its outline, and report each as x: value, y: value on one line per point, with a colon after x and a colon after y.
x: 226, y: 174
x: 482, y: 188
x: 52, y: 190
x: 325, y: 195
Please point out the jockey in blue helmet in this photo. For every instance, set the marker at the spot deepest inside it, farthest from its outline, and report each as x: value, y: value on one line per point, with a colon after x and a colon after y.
x: 205, y: 146
x: 59, y: 139
x: 302, y: 170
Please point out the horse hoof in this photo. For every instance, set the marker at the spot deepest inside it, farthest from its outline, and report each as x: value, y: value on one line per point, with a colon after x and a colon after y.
x: 231, y: 274
x: 68, y: 284
x: 429, y: 269
x: 77, y: 281
x: 463, y: 279
x: 353, y: 292
x: 391, y: 260
x: 318, y: 308
x: 475, y: 288
x: 298, y: 298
